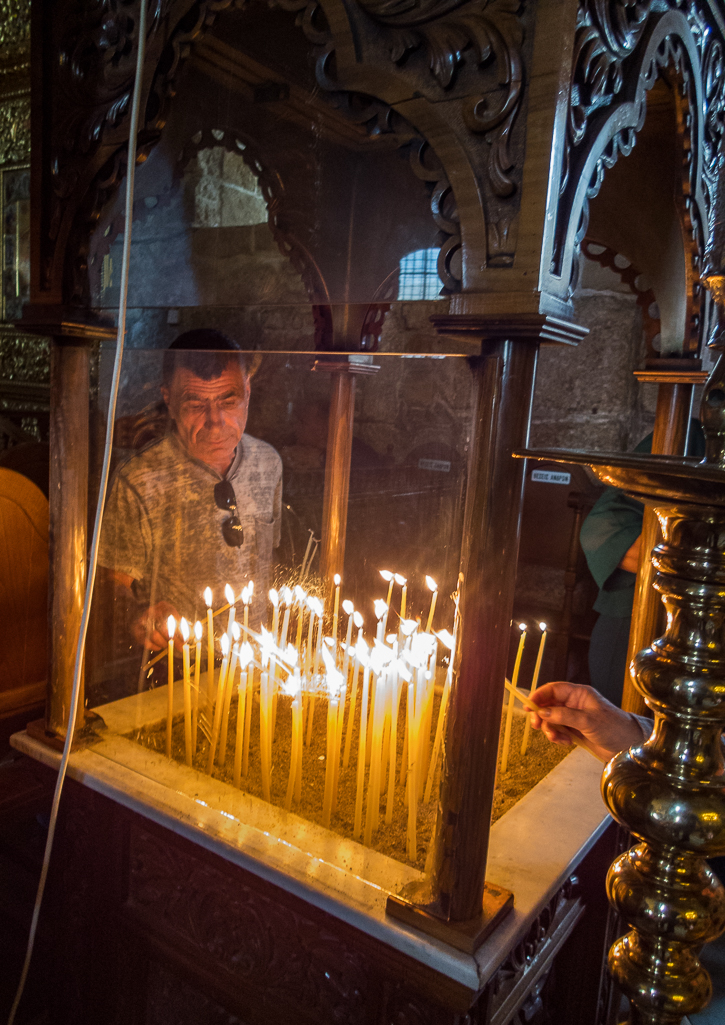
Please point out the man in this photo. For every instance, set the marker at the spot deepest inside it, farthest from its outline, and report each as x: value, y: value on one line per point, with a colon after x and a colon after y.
x: 201, y: 506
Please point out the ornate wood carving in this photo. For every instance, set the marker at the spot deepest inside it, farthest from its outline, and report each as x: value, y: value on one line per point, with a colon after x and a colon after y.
x: 469, y: 51
x: 279, y: 954
x: 619, y: 42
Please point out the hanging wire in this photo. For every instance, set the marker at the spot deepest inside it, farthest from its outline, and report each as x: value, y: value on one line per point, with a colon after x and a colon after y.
x: 93, y: 561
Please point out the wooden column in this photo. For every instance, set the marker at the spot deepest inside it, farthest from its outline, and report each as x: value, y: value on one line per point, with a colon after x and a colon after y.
x: 451, y: 904
x: 337, y: 474
x: 672, y: 418
x: 71, y: 341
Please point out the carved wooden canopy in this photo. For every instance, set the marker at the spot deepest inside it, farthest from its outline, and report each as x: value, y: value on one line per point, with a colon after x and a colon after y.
x: 513, y: 110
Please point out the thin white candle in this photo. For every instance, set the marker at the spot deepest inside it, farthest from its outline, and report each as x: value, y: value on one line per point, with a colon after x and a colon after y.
x: 433, y: 586
x: 336, y: 608
x: 228, y: 684
x: 184, y: 629
x: 512, y: 698
x: 171, y: 628
x: 534, y: 684
x: 219, y: 703
x: 274, y: 598
x: 404, y: 594
x: 245, y: 657
x: 209, y: 655
x: 198, y: 634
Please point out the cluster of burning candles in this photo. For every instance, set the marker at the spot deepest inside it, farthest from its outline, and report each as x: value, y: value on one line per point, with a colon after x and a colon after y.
x: 293, y: 658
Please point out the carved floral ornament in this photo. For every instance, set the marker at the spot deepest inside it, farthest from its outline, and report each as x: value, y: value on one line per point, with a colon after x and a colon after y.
x: 469, y: 51
x: 619, y: 42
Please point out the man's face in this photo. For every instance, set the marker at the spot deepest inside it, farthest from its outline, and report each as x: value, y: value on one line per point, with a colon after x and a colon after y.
x: 210, y: 416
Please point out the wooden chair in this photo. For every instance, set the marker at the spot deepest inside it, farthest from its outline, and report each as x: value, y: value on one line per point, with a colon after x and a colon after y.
x: 23, y: 598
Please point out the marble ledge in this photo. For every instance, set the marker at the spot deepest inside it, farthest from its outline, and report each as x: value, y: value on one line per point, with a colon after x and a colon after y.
x: 533, y: 848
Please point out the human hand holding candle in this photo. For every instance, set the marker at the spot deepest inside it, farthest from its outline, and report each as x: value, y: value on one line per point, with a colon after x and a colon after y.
x: 570, y: 713
x: 170, y: 630
x: 150, y: 629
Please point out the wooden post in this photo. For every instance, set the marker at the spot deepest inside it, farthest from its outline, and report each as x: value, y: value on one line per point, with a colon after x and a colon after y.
x: 72, y: 338
x: 451, y: 903
x: 337, y: 474
x: 672, y: 418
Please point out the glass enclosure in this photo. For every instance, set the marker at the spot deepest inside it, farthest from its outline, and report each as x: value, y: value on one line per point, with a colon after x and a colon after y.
x: 287, y: 503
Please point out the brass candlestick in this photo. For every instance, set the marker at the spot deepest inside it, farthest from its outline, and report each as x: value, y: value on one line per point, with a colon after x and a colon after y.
x: 670, y: 791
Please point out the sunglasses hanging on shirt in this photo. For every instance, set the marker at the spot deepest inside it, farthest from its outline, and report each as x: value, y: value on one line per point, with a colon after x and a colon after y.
x: 232, y: 530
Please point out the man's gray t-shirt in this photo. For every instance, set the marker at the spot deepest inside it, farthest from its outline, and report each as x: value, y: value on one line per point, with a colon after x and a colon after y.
x: 163, y: 528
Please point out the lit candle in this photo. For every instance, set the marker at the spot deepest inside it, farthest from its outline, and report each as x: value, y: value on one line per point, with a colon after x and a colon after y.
x: 184, y: 628
x: 219, y: 703
x: 412, y: 845
x: 245, y: 657
x: 390, y: 580
x: 198, y: 633
x: 264, y: 725
x: 334, y: 682
x: 373, y: 806
x: 434, y: 598
x: 287, y: 599
x: 403, y: 597
x: 336, y: 608
x: 358, y: 621
x: 449, y: 641
x: 348, y: 608
x: 274, y: 598
x: 229, y: 595
x: 246, y: 599
x: 381, y: 614
x: 301, y: 600
x: 512, y: 698
x: 228, y: 684
x: 171, y: 628
x: 534, y: 684
x: 294, y: 688
x: 362, y: 745
x: 393, y: 752
x: 248, y: 720
x: 209, y: 655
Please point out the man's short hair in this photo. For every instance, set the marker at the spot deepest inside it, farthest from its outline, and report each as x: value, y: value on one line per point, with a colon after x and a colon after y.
x: 204, y: 352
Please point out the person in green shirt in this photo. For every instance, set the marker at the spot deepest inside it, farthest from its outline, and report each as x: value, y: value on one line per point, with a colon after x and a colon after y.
x: 610, y: 538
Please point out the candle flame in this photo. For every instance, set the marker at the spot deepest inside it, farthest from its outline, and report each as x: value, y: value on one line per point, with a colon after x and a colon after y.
x: 292, y: 685
x: 402, y: 581
x: 542, y: 627
x: 446, y: 638
x: 274, y: 597
x: 390, y: 638
x: 246, y: 654
x: 208, y: 597
x: 184, y: 627
x: 334, y: 676
x: 362, y: 651
x: 386, y: 575
x: 250, y: 585
x: 300, y: 594
x: 347, y: 607
x: 357, y: 619
x: 267, y: 646
x: 316, y: 606
x: 432, y: 585
x: 290, y: 655
x: 408, y: 626
x: 246, y: 596
x: 198, y: 629
x: 229, y: 594
x: 522, y: 627
x: 171, y: 626
x: 338, y: 579
x: 380, y: 608
x: 236, y: 631
x: 287, y: 595
x: 225, y: 645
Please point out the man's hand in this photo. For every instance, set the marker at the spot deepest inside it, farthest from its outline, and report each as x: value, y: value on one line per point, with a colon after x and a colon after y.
x: 630, y: 559
x: 572, y: 714
x: 150, y: 627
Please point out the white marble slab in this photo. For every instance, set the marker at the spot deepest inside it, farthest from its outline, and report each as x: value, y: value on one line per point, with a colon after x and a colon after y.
x: 533, y: 848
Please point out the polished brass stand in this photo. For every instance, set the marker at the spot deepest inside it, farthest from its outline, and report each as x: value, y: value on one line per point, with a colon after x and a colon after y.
x: 670, y: 791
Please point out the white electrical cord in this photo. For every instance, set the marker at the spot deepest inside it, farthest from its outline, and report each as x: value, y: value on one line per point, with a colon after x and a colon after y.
x: 93, y: 562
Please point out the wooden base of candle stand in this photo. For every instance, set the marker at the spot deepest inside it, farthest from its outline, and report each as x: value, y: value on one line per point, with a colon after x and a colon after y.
x: 92, y: 726
x: 414, y: 906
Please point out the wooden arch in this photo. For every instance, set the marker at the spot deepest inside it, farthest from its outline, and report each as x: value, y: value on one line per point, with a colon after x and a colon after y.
x: 451, y: 69
x: 619, y: 52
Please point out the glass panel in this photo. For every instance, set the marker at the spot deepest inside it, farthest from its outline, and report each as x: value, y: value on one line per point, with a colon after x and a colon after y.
x: 221, y: 469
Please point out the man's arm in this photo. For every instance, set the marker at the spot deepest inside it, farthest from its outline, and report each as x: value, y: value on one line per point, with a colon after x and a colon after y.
x: 146, y: 624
